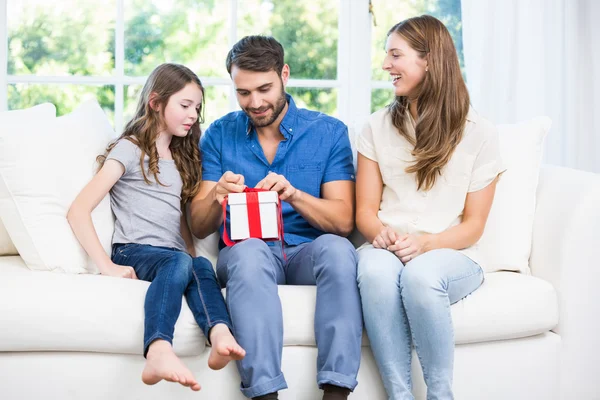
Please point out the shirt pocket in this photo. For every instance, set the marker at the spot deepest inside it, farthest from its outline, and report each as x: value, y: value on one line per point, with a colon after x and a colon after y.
x: 457, y: 173
x: 393, y: 166
x: 306, y: 177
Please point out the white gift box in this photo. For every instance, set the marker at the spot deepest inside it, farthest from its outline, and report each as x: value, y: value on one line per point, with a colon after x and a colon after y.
x: 269, y: 216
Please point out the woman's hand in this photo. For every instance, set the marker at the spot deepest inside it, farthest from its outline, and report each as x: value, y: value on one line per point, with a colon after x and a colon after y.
x: 408, y: 247
x: 385, y: 238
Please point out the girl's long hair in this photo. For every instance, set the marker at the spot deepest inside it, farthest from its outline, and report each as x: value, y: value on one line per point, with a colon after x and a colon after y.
x: 442, y: 99
x: 144, y: 127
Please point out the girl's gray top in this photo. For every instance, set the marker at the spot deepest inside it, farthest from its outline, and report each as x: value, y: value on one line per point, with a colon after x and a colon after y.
x: 146, y: 214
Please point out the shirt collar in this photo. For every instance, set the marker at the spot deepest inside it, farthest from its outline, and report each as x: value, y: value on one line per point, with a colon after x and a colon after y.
x: 288, y: 123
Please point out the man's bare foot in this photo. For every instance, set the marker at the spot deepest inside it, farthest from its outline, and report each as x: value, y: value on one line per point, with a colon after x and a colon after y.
x: 224, y: 347
x: 162, y: 363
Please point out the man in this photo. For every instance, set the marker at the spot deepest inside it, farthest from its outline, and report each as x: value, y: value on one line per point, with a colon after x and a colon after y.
x: 306, y: 157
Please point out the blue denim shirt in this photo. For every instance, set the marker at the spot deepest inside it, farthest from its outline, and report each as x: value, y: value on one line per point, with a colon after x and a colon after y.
x: 315, y: 150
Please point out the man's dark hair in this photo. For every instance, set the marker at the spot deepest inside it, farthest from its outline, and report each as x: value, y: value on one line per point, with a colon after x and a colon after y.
x: 256, y: 53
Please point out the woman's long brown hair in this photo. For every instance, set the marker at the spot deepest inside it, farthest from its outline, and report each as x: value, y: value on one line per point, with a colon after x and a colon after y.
x: 442, y: 99
x: 144, y: 127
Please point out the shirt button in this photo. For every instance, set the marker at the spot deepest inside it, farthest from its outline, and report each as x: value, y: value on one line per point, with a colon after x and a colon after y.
x: 415, y: 220
x: 424, y: 194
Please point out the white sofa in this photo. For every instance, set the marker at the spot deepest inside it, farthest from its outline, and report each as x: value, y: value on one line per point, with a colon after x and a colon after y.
x: 65, y: 336
x: 68, y: 334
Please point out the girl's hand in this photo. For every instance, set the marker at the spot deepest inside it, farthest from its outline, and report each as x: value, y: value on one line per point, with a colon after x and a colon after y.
x: 385, y: 238
x: 119, y: 271
x: 408, y: 247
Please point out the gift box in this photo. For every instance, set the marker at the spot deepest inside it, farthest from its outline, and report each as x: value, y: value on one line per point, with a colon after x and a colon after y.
x: 254, y: 214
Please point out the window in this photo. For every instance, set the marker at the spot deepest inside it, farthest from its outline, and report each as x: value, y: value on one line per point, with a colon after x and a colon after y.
x: 72, y: 49
x: 387, y: 14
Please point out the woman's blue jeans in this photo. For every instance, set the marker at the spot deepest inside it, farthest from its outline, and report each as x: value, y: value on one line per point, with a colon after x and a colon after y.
x: 411, y: 303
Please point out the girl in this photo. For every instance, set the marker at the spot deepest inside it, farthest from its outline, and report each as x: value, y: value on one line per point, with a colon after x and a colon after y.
x: 427, y: 173
x: 152, y: 171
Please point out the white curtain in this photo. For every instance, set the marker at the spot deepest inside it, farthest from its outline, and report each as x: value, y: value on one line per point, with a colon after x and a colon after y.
x: 526, y: 58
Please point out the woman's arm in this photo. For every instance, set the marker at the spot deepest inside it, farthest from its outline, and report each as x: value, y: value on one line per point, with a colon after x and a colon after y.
x: 80, y: 218
x: 469, y: 231
x: 461, y: 236
x: 369, y: 187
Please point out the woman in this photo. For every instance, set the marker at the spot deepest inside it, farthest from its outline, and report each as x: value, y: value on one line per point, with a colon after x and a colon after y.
x: 427, y: 173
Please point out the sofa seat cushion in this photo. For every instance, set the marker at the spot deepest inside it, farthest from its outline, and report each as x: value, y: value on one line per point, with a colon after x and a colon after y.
x: 45, y: 311
x: 508, y: 305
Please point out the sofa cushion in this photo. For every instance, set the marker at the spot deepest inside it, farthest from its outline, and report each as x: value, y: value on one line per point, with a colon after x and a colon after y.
x: 38, y: 186
x: 507, y: 306
x: 7, y: 247
x: 41, y: 310
x: 506, y: 241
x: 105, y: 314
x: 12, y: 122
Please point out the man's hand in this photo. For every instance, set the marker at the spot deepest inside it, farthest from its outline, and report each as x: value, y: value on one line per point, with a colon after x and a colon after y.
x: 229, y: 183
x: 279, y: 184
x: 408, y: 247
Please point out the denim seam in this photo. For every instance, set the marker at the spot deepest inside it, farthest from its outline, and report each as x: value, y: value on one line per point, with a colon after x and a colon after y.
x: 162, y: 303
x: 208, y: 321
x: 423, y: 367
x: 240, y: 369
x: 409, y: 336
x: 480, y: 271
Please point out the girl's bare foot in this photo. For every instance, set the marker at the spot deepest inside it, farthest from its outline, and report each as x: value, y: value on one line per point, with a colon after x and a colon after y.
x: 162, y: 363
x: 224, y: 347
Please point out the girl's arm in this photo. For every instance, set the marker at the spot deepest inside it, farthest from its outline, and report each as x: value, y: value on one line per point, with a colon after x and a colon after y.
x: 369, y: 187
x: 185, y: 232
x: 80, y: 218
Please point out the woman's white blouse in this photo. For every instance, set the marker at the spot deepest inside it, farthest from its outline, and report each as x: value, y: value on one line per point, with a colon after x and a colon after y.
x: 474, y: 164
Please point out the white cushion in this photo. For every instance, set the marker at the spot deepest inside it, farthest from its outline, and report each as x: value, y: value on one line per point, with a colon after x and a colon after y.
x: 507, y: 306
x: 7, y: 247
x: 10, y: 122
x: 41, y: 310
x: 506, y: 241
x: 42, y: 172
x: 105, y: 314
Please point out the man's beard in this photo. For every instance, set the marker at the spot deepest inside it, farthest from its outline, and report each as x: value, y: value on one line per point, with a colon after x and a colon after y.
x: 261, y: 122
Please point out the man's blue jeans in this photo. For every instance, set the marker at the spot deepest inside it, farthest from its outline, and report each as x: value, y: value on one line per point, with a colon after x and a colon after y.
x: 251, y: 270
x: 411, y: 303
x: 173, y: 274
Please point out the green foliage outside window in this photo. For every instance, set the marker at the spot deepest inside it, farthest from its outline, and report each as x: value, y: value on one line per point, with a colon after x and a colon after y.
x: 74, y: 37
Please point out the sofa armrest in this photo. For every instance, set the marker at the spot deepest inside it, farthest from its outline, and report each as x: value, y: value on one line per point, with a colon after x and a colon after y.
x: 566, y: 252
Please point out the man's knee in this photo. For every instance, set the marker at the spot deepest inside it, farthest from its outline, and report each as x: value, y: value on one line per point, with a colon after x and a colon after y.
x: 336, y: 254
x: 248, y: 259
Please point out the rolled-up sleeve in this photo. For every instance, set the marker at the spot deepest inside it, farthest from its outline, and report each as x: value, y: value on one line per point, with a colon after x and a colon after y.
x: 364, y: 143
x: 488, y: 163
